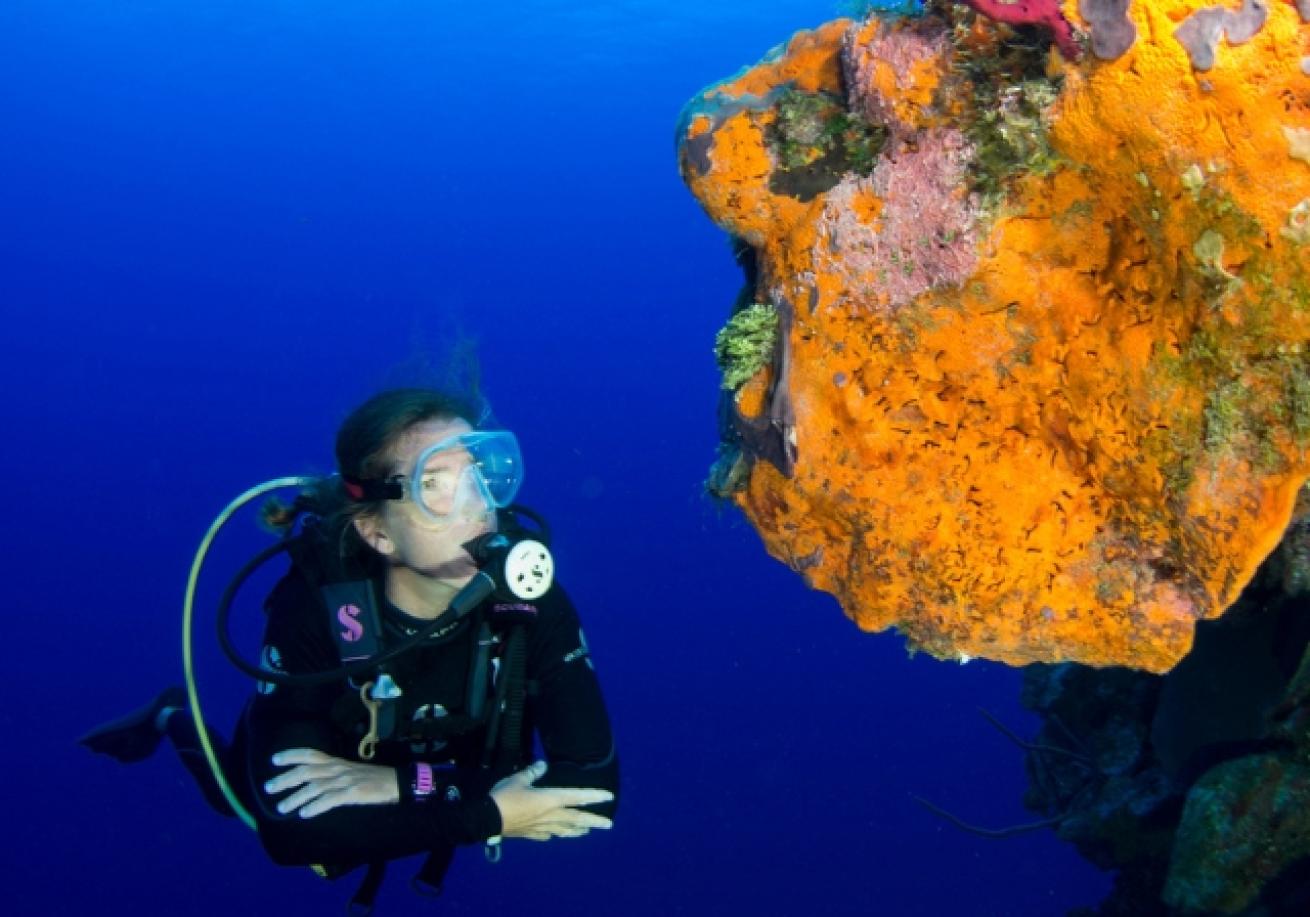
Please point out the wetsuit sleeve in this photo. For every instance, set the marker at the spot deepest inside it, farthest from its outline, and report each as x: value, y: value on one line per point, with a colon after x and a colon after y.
x: 568, y: 708
x: 297, y: 641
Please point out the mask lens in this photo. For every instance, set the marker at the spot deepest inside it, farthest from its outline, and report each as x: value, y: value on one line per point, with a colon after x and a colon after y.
x: 499, y: 463
x: 437, y: 488
x: 472, y: 473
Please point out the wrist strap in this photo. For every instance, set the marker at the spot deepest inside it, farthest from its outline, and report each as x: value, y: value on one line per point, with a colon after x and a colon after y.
x: 424, y: 783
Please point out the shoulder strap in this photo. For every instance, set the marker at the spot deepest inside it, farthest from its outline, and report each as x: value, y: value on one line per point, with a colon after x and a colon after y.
x: 505, y: 731
x: 346, y: 590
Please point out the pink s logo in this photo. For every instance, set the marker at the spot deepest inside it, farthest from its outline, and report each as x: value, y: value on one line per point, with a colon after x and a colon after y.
x: 348, y: 615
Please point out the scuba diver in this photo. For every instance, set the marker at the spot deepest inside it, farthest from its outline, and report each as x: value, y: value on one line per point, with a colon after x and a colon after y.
x: 412, y: 652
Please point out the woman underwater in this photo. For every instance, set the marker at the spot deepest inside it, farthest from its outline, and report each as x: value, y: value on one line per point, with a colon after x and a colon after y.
x: 434, y: 749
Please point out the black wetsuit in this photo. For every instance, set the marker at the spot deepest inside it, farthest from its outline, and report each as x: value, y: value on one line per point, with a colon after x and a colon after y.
x: 564, y: 710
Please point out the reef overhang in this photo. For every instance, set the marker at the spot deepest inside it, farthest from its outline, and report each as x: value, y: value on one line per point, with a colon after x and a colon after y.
x: 1041, y: 386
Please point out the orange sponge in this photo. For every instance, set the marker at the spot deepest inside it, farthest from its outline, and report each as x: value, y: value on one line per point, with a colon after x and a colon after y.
x: 1042, y: 390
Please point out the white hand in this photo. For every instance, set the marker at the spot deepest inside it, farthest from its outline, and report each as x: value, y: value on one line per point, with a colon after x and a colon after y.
x: 326, y: 782
x: 541, y: 813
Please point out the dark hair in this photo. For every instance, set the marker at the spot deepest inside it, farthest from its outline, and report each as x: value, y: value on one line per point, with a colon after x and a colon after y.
x: 363, y: 449
x: 367, y: 435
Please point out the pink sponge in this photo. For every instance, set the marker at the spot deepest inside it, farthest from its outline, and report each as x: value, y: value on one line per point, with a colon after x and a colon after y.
x: 1044, y: 13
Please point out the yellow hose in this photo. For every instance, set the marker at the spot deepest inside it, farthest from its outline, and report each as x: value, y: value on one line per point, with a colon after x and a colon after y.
x: 188, y: 608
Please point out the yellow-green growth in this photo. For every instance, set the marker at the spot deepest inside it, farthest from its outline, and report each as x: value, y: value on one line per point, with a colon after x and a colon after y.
x: 745, y: 345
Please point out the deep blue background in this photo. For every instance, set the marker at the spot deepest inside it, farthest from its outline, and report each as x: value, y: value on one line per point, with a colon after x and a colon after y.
x: 223, y: 224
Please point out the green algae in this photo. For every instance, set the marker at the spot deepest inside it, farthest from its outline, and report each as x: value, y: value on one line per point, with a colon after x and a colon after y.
x: 745, y: 345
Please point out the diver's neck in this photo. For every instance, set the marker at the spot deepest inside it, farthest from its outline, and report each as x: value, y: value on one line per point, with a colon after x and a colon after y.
x: 420, y: 595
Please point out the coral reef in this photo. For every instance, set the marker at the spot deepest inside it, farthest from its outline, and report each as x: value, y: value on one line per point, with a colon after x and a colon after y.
x: 1041, y: 390
x: 1194, y: 786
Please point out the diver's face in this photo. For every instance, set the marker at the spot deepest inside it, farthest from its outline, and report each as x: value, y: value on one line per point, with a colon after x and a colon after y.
x: 428, y: 545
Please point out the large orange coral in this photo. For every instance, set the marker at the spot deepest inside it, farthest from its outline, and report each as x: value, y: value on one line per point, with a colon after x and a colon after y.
x: 1043, y: 390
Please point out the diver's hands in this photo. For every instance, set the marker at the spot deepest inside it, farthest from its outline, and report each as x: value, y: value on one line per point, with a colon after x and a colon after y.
x: 326, y: 782
x: 537, y: 813
x: 540, y: 813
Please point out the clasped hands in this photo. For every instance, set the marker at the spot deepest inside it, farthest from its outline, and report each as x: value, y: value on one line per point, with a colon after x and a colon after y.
x: 323, y: 782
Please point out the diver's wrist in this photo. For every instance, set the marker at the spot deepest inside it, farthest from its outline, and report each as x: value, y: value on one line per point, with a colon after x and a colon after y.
x: 423, y: 782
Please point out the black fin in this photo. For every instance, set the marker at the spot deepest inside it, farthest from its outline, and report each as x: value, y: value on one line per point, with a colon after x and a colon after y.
x: 134, y: 737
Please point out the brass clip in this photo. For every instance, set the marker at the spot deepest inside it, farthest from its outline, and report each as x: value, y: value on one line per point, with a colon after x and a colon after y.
x: 368, y: 745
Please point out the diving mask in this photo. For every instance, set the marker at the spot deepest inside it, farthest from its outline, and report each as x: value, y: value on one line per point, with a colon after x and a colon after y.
x: 457, y: 478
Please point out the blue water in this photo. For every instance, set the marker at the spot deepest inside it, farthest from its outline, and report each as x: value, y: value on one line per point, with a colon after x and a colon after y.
x: 222, y: 225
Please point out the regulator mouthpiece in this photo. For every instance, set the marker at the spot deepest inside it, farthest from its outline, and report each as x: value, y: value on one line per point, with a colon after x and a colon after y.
x: 522, y: 569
